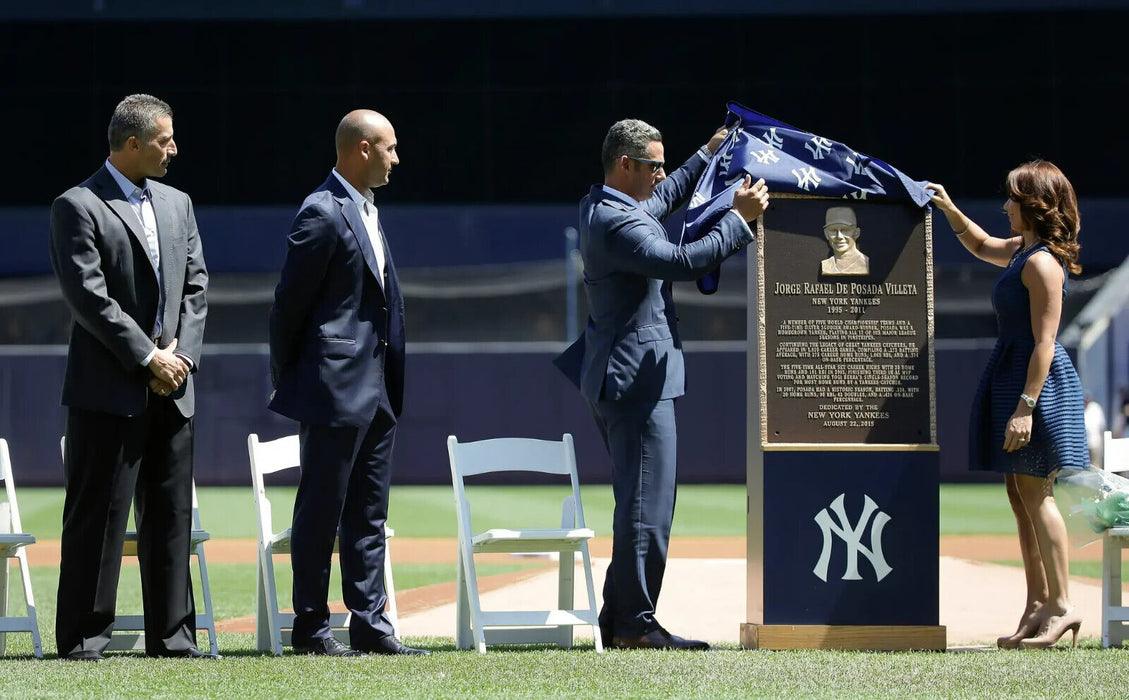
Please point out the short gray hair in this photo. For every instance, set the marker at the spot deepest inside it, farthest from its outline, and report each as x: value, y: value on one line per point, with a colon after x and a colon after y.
x: 627, y: 137
x: 136, y: 115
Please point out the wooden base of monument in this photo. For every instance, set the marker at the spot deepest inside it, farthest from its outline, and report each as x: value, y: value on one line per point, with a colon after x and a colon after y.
x: 854, y: 637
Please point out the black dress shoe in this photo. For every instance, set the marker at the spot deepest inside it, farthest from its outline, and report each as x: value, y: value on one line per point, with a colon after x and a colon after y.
x: 658, y: 639
x: 190, y: 653
x: 328, y: 646
x: 85, y: 655
x: 390, y: 645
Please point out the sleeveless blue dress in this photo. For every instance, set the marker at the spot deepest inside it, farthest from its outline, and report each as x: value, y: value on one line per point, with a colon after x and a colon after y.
x: 1058, y: 433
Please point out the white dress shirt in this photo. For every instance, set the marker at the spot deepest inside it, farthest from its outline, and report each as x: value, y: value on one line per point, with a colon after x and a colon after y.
x: 371, y: 219
x: 141, y: 202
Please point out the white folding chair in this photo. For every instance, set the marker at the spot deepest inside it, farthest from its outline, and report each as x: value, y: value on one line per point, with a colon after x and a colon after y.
x: 129, y: 630
x: 477, y: 626
x: 273, y: 628
x: 13, y: 541
x: 1115, y: 615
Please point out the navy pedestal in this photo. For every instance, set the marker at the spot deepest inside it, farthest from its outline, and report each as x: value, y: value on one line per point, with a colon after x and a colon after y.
x: 843, y: 550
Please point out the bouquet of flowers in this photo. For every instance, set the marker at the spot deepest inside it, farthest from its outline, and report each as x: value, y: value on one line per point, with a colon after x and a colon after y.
x: 1092, y: 501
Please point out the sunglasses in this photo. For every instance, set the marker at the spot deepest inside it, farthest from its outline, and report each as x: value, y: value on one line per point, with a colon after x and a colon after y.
x: 656, y: 165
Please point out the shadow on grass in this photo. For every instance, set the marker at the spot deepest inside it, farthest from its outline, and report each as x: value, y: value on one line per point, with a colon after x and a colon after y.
x: 24, y: 657
x: 513, y: 648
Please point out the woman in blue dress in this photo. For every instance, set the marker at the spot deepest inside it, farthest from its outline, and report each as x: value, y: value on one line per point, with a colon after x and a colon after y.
x: 1027, y: 417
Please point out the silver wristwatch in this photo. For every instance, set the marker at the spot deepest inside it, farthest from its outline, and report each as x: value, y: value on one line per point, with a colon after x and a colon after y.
x: 1027, y: 400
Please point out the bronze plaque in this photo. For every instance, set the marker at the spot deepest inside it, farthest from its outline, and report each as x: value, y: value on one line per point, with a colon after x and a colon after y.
x: 846, y: 302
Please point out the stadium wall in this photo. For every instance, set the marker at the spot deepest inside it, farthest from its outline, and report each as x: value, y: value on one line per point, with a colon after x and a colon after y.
x: 253, y: 239
x: 460, y: 390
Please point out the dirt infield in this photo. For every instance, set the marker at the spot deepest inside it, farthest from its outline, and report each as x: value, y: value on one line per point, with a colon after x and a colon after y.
x: 969, y: 554
x: 432, y: 550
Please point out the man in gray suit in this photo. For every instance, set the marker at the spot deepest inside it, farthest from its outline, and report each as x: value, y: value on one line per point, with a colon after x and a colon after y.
x: 127, y: 255
x: 628, y: 363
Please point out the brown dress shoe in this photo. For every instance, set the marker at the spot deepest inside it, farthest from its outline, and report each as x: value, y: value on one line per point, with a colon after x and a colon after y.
x: 658, y: 639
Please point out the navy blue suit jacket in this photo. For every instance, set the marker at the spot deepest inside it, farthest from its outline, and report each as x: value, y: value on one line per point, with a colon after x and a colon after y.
x: 630, y: 349
x: 336, y: 336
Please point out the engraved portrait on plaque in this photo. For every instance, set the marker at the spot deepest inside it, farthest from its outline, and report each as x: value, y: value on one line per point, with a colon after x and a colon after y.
x: 842, y: 232
x: 846, y: 359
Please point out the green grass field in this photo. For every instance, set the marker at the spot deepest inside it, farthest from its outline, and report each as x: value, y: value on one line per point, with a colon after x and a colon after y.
x: 542, y: 673
x: 429, y: 511
x: 535, y: 672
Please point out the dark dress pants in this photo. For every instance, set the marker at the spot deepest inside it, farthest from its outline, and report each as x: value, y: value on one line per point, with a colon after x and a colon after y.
x: 343, y: 491
x: 642, y: 441
x: 111, y: 461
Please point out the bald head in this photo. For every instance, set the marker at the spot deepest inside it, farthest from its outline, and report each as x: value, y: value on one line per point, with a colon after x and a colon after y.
x: 359, y: 125
x: 366, y: 149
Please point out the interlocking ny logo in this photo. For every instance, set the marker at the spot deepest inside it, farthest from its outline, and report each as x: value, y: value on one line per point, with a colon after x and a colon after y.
x: 765, y: 156
x: 806, y: 178
x: 852, y: 538
x: 770, y: 137
x: 726, y: 164
x: 818, y: 147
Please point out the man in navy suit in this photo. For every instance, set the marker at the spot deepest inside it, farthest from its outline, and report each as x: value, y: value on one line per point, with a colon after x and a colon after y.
x: 127, y: 254
x: 628, y: 363
x: 337, y: 364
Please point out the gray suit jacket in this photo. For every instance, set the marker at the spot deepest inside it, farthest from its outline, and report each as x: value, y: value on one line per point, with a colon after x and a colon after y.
x: 101, y: 259
x: 630, y: 349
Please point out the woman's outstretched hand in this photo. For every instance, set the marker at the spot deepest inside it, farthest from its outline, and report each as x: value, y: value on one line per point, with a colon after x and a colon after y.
x: 941, y: 198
